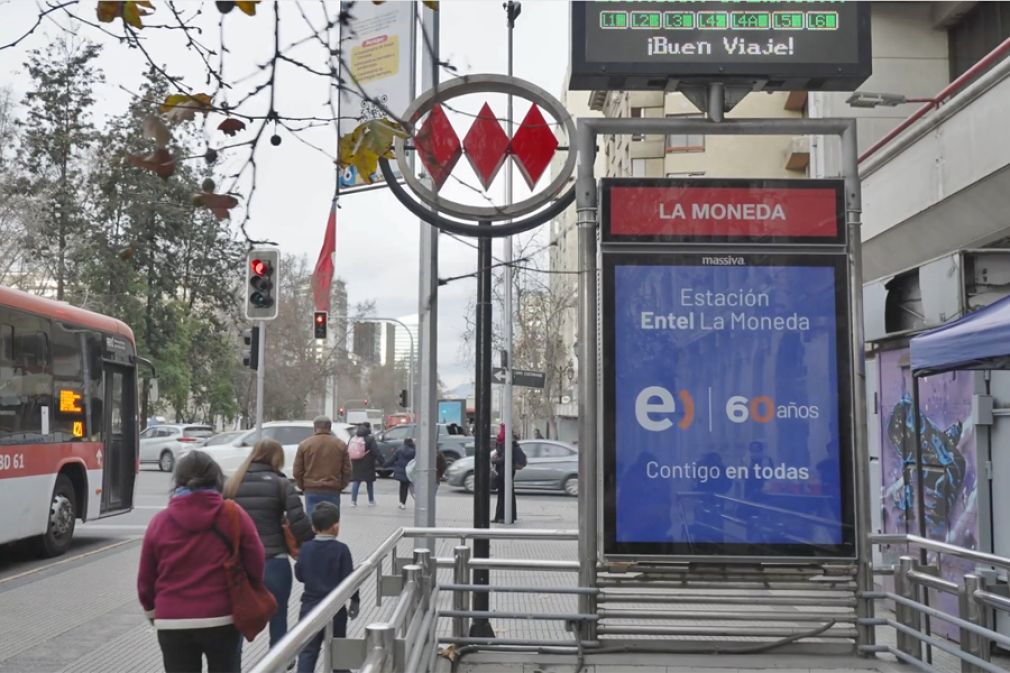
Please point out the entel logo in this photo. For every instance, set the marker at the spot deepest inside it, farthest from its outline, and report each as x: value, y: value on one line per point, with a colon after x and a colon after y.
x: 723, y: 261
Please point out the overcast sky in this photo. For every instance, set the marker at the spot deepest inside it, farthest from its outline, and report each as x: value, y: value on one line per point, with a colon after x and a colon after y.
x: 377, y: 240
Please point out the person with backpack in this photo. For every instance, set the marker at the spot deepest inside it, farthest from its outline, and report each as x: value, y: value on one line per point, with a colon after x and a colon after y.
x: 363, y: 451
x: 498, y: 465
x: 270, y: 499
x: 183, y: 584
x: 399, y: 463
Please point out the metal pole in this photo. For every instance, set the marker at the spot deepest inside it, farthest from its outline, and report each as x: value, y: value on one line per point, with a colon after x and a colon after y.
x: 482, y: 449
x: 588, y: 402
x: 511, y: 12
x: 460, y: 576
x: 861, y: 454
x: 261, y: 371
x: 716, y: 101
x: 427, y: 315
x: 920, y: 506
x: 906, y: 588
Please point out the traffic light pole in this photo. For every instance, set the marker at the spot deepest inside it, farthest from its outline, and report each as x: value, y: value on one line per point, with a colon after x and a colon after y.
x: 261, y: 378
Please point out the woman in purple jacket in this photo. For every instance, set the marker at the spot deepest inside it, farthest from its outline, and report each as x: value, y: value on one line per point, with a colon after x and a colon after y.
x: 182, y: 584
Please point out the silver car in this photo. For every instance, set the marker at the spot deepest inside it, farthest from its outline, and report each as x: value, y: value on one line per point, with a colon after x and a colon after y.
x: 550, y: 465
x: 162, y: 445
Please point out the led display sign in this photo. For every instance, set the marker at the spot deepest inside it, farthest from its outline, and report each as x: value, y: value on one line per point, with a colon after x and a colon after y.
x: 774, y: 45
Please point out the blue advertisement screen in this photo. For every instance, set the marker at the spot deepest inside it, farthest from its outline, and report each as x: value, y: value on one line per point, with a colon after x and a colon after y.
x: 727, y: 396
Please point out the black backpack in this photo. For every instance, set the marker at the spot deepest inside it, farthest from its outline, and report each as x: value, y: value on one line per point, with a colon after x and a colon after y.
x: 519, y: 457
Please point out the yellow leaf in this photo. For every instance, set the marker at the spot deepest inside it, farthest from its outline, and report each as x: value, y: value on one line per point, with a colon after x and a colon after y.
x: 430, y: 4
x: 247, y: 6
x: 183, y: 107
x: 133, y: 11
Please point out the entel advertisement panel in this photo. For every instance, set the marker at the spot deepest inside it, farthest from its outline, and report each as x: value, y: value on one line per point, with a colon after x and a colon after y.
x: 727, y: 396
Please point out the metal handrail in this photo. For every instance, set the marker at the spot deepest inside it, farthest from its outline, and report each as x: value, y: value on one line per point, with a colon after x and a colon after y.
x: 941, y: 547
x: 492, y: 533
x: 379, y: 655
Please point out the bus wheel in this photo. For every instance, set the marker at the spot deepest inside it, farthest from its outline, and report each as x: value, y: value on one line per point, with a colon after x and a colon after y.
x: 166, y: 462
x: 62, y: 518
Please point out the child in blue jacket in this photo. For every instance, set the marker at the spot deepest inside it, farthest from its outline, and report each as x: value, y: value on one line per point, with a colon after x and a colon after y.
x: 323, y: 563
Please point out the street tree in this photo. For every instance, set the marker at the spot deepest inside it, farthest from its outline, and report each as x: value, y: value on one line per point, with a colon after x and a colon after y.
x: 58, y: 135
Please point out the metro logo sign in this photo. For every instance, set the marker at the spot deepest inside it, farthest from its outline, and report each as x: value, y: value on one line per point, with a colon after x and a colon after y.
x: 723, y: 211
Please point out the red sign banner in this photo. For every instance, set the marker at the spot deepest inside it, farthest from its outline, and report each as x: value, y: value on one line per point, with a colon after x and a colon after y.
x: 797, y: 211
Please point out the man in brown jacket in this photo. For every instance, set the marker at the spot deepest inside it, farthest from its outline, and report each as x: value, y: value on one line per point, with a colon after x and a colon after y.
x: 322, y: 466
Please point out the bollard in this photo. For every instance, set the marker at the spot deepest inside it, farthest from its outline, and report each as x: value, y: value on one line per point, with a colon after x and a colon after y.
x: 460, y: 575
x: 380, y: 641
x: 906, y: 588
x: 972, y: 611
x: 422, y: 557
x: 412, y: 574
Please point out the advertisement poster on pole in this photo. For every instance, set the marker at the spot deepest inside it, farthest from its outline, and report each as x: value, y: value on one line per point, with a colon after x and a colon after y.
x: 727, y: 378
x: 377, y: 60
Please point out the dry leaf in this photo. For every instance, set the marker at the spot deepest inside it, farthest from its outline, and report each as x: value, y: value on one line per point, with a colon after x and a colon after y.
x: 231, y: 126
x: 181, y: 107
x: 247, y: 6
x: 219, y: 204
x: 131, y: 11
x: 160, y: 162
x: 156, y: 130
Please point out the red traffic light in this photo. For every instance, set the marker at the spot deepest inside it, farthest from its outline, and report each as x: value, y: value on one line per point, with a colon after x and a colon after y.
x: 259, y: 267
x: 320, y: 318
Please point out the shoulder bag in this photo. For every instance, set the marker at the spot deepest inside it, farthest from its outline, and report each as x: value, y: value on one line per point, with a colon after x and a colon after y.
x: 251, y: 604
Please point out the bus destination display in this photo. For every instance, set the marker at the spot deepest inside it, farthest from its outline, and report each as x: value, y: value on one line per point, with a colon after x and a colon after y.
x: 727, y: 395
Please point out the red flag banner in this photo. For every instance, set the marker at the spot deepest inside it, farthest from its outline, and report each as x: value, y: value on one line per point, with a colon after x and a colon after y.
x: 322, y: 277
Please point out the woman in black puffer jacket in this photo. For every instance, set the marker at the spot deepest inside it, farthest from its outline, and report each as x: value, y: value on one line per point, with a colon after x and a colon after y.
x: 265, y: 493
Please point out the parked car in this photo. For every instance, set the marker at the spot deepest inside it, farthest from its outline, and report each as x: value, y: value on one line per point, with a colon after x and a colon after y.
x: 550, y: 465
x: 164, y: 444
x: 453, y: 447
x: 224, y: 438
x: 230, y: 454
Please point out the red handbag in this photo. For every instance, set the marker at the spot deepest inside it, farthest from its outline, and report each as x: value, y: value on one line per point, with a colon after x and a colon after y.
x: 251, y: 604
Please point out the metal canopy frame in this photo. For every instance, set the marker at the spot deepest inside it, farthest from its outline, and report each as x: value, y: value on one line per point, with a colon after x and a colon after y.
x: 590, y: 390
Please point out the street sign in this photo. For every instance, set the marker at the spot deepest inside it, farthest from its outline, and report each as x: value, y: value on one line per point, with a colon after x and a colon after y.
x: 778, y: 46
x: 520, y: 377
x: 656, y: 210
x: 528, y: 379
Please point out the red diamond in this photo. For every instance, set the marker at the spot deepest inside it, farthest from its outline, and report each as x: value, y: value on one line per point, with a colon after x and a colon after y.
x: 533, y: 146
x: 437, y: 146
x: 486, y: 146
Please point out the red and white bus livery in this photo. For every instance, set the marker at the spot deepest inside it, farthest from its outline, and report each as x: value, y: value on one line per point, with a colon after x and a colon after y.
x: 68, y: 419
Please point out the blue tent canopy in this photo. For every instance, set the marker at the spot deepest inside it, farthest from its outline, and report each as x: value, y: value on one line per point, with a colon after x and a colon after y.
x: 979, y: 340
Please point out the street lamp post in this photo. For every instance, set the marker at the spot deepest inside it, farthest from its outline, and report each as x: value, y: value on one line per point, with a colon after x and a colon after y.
x: 413, y: 360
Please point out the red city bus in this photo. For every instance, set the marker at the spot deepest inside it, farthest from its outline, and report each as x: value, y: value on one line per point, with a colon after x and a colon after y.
x: 68, y: 419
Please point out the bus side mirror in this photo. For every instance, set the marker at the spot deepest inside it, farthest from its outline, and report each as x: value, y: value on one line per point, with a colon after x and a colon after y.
x: 152, y: 390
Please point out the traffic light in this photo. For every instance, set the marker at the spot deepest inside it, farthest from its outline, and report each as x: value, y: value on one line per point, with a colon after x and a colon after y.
x: 403, y: 399
x: 319, y: 324
x: 261, y: 284
x: 251, y: 355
